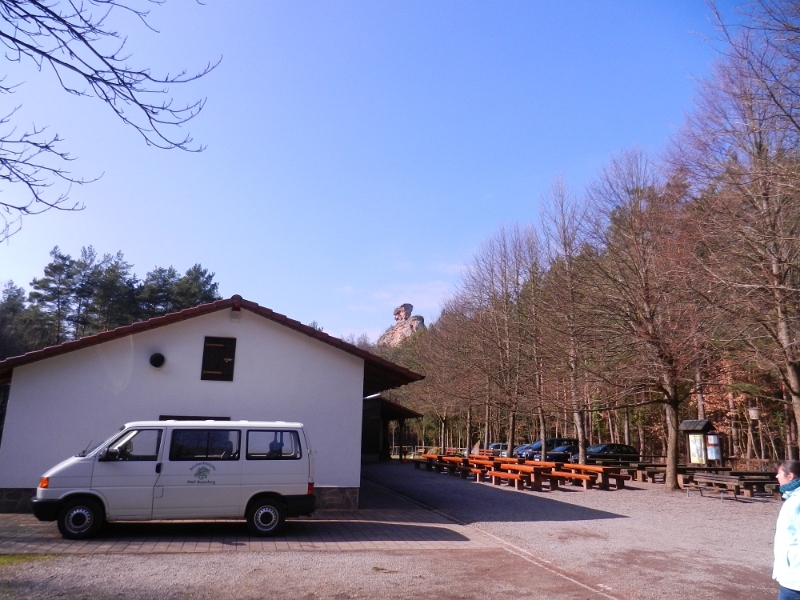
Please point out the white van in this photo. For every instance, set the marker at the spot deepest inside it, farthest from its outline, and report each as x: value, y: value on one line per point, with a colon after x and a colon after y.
x: 259, y: 471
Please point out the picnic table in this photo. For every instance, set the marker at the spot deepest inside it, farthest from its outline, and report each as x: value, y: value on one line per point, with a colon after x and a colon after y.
x: 522, y: 473
x: 602, y: 473
x: 456, y: 465
x: 745, y: 482
x: 431, y: 462
x: 642, y: 471
x: 686, y: 473
x: 534, y: 475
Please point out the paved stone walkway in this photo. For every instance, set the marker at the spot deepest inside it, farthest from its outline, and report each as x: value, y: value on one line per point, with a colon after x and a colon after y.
x: 385, y: 522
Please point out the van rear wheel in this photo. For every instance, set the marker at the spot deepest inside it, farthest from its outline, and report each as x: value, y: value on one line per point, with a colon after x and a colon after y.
x: 80, y: 518
x: 265, y: 517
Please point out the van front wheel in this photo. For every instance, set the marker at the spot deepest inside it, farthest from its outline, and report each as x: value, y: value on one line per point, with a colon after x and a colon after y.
x: 265, y: 517
x: 80, y: 518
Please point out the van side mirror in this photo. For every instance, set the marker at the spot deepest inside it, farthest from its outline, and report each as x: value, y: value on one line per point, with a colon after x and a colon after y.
x: 109, y: 454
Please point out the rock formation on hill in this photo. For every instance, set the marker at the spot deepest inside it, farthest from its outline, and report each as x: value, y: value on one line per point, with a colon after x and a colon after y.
x: 405, y: 326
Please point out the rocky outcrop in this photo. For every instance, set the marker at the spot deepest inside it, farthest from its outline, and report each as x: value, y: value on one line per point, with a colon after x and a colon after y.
x: 404, y: 327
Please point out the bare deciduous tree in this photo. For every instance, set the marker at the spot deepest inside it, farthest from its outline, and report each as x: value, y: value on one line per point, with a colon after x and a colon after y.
x: 743, y: 163
x: 75, y: 44
x: 642, y: 306
x: 566, y: 294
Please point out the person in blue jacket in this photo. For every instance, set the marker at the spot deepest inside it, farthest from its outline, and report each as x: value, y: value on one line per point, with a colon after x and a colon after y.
x: 786, y: 570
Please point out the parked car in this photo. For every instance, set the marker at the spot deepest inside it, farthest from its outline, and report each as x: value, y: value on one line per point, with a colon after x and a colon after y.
x: 621, y: 452
x: 519, y: 451
x: 498, y: 448
x: 535, y: 449
x: 559, y: 453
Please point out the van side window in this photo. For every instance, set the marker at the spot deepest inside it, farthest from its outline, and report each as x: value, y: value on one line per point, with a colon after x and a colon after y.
x: 273, y: 445
x: 138, y: 444
x: 204, y: 444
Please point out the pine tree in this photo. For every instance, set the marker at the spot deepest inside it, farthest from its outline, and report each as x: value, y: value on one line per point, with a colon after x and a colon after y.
x: 53, y: 293
x: 196, y: 287
x: 12, y: 309
x: 156, y: 294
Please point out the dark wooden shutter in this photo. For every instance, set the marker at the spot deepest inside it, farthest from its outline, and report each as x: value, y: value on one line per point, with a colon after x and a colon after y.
x: 218, y: 359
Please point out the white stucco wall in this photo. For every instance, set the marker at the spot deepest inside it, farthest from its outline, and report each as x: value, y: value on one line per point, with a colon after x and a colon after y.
x: 57, y: 406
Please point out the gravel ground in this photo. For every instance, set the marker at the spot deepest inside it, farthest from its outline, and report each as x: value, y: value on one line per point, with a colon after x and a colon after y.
x: 636, y: 543
x: 640, y: 542
x: 440, y: 575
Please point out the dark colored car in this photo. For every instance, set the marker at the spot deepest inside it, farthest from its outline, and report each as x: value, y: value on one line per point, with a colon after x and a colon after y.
x: 520, y: 450
x: 535, y: 449
x: 561, y: 453
x: 619, y: 452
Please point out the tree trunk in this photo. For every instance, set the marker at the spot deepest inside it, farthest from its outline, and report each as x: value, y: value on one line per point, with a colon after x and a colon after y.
x: 734, y: 426
x: 671, y: 478
x: 793, y: 376
x: 469, y: 429
x: 542, y: 430
x: 577, y: 412
x: 641, y: 439
x: 791, y: 426
x: 486, y: 433
x: 698, y: 387
x: 627, y: 427
x: 512, y: 424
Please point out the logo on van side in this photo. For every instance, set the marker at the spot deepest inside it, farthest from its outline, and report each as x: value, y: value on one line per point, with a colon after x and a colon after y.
x: 201, y: 471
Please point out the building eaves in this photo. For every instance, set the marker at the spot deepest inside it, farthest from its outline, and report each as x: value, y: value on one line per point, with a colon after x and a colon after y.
x: 378, y: 372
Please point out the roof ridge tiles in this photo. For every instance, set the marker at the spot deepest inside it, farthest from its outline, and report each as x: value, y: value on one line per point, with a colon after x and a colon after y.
x: 7, y: 365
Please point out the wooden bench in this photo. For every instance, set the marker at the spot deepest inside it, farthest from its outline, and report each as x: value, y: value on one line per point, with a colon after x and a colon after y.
x: 715, y: 483
x: 519, y: 479
x: 649, y: 474
x: 537, y: 475
x: 456, y: 465
x: 577, y: 478
x: 774, y: 489
x: 431, y: 462
x: 479, y: 467
x: 479, y: 473
x: 753, y: 482
x: 604, y: 474
x: 422, y: 461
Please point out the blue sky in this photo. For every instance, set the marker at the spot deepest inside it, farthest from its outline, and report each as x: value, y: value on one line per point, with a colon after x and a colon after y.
x: 358, y: 153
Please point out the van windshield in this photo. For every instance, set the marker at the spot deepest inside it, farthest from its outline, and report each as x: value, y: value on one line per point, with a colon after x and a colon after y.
x: 94, y: 449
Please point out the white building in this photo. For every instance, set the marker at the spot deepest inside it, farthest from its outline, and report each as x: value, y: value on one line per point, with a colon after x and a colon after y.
x: 229, y: 359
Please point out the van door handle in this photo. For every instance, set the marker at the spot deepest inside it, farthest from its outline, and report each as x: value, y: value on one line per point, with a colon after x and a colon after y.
x: 158, y: 468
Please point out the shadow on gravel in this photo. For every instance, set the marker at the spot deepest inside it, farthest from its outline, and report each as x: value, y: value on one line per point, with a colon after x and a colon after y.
x: 470, y: 502
x: 306, y: 531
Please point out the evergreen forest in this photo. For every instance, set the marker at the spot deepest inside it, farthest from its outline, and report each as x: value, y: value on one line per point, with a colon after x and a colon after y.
x: 76, y: 297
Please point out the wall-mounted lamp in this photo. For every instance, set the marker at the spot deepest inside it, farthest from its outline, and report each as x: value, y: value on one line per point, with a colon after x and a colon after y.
x: 157, y: 360
x: 236, y: 308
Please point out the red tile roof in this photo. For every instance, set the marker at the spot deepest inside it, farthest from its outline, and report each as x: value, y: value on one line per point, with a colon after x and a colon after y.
x: 379, y: 374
